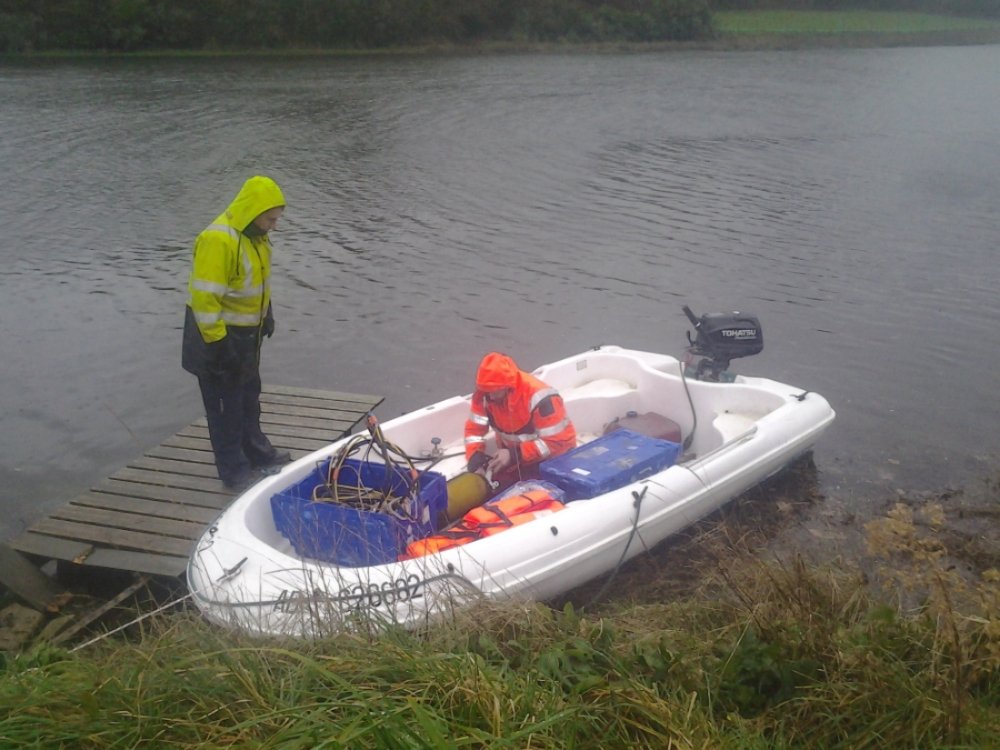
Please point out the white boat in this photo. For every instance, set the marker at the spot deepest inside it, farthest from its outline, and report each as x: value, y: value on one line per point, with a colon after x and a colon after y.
x: 738, y: 430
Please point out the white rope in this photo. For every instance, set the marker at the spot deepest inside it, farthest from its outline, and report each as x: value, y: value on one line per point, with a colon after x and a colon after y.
x: 101, y: 637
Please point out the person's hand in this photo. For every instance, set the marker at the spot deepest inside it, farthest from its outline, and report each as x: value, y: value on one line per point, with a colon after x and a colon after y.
x: 268, y: 327
x: 223, y: 359
x: 478, y: 462
x: 504, y: 458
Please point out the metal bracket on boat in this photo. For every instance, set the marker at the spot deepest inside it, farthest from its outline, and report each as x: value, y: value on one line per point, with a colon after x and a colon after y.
x: 228, y: 573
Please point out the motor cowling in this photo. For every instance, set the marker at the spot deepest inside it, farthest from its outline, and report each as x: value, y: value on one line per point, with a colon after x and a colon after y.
x: 721, y: 337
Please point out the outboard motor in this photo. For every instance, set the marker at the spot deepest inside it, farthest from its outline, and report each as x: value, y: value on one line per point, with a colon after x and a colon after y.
x: 719, y: 338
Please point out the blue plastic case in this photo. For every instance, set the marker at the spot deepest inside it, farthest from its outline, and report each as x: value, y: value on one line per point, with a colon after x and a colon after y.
x: 608, y: 463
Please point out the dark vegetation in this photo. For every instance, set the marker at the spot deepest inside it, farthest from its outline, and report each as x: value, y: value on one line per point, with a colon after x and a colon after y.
x: 135, y: 25
x: 217, y: 25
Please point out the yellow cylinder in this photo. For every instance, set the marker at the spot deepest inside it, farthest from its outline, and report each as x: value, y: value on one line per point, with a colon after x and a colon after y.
x: 465, y: 492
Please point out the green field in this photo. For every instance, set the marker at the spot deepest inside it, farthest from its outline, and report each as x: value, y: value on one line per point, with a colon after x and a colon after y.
x: 852, y: 22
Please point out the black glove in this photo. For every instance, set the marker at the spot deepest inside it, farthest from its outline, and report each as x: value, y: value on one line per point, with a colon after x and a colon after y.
x: 268, y: 327
x: 223, y: 360
x: 478, y: 461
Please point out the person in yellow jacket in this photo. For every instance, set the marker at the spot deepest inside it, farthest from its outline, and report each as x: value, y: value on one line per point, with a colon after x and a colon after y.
x: 527, y: 416
x: 228, y: 314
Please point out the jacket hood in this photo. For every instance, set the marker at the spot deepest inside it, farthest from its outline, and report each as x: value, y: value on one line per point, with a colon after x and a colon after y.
x: 258, y: 194
x: 497, y: 371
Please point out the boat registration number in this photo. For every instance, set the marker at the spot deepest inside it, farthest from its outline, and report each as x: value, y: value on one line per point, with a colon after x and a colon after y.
x: 353, y: 598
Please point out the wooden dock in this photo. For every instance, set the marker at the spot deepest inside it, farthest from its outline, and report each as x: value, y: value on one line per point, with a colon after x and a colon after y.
x: 146, y: 517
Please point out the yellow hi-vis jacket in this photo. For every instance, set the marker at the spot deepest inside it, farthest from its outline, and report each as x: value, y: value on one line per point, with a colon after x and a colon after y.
x: 230, y: 282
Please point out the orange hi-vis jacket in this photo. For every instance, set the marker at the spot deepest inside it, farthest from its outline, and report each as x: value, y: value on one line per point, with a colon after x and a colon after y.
x: 531, y: 421
x: 488, y: 519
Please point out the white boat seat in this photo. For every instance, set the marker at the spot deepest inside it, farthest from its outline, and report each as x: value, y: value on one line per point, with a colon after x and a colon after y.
x: 731, y: 425
x: 604, y: 387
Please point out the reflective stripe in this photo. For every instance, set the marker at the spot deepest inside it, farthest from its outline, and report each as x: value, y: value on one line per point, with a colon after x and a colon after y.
x: 475, y: 440
x: 254, y: 291
x: 225, y: 229
x: 247, y: 267
x: 206, y: 319
x: 554, y: 429
x: 524, y: 437
x: 541, y: 395
x: 543, y: 449
x: 480, y: 419
x: 209, y: 286
x: 240, y: 320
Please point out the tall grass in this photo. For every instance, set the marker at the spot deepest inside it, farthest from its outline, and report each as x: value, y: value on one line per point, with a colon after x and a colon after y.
x: 765, y: 654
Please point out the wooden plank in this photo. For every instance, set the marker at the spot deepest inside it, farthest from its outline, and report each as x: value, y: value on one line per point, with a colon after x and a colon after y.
x: 51, y: 548
x: 363, y: 399
x: 169, y: 466
x: 199, y: 443
x: 276, y: 411
x: 173, y: 481
x: 215, y: 499
x: 297, y: 445
x: 116, y: 519
x: 84, y: 621
x: 331, y: 433
x: 157, y: 508
x: 182, y: 454
x: 139, y: 562
x: 270, y: 400
x: 292, y: 443
x: 27, y: 582
x: 113, y: 537
x: 305, y: 422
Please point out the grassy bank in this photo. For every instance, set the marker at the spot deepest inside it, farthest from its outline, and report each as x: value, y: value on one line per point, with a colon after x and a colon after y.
x: 845, y: 22
x: 757, y: 654
x: 801, y: 29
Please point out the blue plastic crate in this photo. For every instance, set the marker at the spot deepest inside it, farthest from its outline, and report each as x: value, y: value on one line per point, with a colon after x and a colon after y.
x: 347, y: 536
x: 608, y: 463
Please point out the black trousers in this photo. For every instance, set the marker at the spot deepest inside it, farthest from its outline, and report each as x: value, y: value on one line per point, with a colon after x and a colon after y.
x: 233, y: 412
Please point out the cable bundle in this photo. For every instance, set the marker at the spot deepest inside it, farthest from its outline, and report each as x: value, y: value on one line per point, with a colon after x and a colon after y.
x: 392, y: 495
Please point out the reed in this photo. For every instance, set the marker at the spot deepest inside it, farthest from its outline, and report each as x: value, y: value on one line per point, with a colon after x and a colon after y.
x: 762, y: 654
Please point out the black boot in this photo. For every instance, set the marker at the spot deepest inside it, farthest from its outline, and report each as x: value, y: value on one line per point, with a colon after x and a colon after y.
x: 273, y: 460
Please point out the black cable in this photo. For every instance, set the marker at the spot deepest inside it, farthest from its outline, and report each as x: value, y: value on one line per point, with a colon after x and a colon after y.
x: 694, y: 414
x: 638, y: 496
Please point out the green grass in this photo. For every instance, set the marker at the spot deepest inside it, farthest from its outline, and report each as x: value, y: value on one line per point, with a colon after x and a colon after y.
x: 848, y: 22
x: 761, y: 655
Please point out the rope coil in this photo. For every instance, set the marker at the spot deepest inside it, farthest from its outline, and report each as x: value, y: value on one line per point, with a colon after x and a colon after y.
x: 395, y: 494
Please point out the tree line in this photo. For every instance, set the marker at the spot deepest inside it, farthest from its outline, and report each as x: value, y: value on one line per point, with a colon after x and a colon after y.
x: 137, y: 25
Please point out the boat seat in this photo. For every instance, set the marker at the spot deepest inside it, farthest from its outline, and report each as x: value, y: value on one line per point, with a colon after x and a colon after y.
x: 731, y: 425
x: 604, y: 387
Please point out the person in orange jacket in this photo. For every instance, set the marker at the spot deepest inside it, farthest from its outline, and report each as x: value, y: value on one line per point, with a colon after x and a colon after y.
x: 527, y: 416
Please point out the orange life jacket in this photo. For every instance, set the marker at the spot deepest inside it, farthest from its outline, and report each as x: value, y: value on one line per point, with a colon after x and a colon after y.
x: 488, y: 519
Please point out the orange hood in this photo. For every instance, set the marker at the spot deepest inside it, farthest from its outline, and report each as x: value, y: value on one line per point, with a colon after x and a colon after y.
x: 497, y: 371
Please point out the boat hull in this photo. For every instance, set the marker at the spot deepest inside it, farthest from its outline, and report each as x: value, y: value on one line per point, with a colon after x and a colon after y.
x: 244, y: 574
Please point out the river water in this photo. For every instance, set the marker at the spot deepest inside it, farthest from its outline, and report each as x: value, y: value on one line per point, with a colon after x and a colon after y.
x: 441, y: 207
